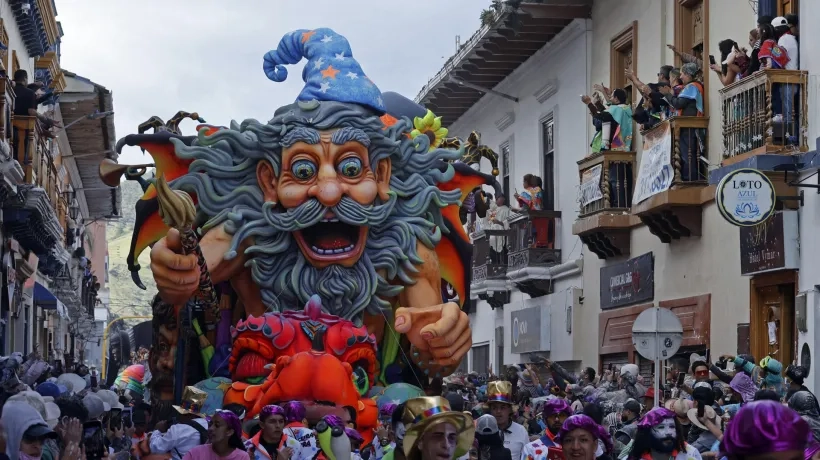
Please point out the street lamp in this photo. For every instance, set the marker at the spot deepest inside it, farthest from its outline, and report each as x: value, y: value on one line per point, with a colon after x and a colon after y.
x: 74, y: 209
x: 91, y: 116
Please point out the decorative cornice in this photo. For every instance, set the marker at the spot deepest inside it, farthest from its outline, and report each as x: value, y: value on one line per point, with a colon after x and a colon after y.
x: 547, y: 91
x: 505, y: 121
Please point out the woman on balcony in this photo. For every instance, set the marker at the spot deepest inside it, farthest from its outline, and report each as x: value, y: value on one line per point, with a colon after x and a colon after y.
x: 531, y: 198
x: 734, y: 62
x: 689, y: 104
x: 615, y: 132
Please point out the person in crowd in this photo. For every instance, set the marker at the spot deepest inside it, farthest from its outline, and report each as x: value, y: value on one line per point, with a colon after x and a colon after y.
x: 630, y: 415
x: 581, y: 438
x: 797, y: 375
x: 733, y: 62
x: 689, y: 103
x: 500, y: 403
x: 554, y: 413
x: 765, y: 429
x: 296, y: 434
x: 805, y: 404
x: 225, y: 436
x: 787, y: 41
x: 771, y: 55
x: 26, y: 431
x: 498, y: 221
x: 615, y: 131
x: 701, y: 436
x: 265, y: 445
x: 532, y: 197
x: 488, y: 440
x: 399, y: 421
x: 660, y: 436
x: 189, y: 432
x: 772, y: 378
x: 437, y: 431
x: 794, y: 25
x: 687, y: 58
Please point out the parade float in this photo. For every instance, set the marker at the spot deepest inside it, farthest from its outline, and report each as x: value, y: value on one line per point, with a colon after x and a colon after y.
x: 317, y: 257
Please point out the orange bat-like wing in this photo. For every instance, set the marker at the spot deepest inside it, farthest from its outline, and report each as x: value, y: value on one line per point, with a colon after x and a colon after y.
x: 148, y: 226
x: 455, y: 251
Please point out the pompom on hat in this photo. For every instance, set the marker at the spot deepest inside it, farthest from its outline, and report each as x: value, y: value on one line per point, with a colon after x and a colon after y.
x: 763, y: 427
x: 585, y: 422
x: 427, y: 412
x: 331, y: 73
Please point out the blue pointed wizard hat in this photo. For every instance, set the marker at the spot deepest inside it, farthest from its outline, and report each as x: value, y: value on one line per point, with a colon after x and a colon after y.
x: 331, y: 73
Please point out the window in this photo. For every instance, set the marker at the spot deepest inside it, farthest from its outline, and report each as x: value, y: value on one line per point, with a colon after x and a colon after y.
x: 548, y: 163
x: 624, y: 55
x: 505, y: 168
x: 692, y: 35
x: 4, y: 40
x: 15, y: 64
x: 481, y: 358
x: 785, y: 7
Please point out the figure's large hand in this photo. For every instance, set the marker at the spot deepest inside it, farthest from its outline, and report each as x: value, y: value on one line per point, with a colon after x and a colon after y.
x: 177, y: 275
x: 440, y: 334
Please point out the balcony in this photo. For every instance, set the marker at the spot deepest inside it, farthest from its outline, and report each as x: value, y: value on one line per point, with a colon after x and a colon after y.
x: 47, y: 70
x: 10, y: 171
x: 607, y: 185
x: 672, y: 186
x: 532, y: 251
x: 490, y: 267
x: 750, y: 109
x: 32, y: 214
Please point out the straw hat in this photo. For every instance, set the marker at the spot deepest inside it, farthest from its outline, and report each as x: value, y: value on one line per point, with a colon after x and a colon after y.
x: 427, y: 412
x: 500, y: 391
x: 193, y: 399
x: 681, y: 409
x: 708, y: 413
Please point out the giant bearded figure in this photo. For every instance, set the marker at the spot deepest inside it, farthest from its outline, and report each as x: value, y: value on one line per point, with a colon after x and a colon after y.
x: 326, y: 199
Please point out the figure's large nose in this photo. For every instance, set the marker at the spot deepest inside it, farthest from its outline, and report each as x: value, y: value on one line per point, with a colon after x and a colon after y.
x: 327, y: 190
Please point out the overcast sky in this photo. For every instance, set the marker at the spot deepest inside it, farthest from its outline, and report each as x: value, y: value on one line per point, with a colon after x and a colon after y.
x: 159, y: 57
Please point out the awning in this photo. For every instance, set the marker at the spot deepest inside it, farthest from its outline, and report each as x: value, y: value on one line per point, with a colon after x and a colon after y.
x: 47, y: 301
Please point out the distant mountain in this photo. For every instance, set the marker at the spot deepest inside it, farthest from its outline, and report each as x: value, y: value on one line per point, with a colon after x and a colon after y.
x: 126, y: 298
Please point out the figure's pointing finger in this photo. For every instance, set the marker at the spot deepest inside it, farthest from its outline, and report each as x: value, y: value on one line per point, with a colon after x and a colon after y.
x: 449, y: 317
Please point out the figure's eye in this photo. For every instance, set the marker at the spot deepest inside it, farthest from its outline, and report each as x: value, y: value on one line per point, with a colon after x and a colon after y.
x: 350, y: 167
x: 303, y: 169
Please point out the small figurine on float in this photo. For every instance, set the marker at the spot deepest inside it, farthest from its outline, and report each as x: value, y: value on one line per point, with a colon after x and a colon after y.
x: 336, y: 224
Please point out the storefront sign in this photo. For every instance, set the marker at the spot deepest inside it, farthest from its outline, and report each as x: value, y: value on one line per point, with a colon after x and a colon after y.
x: 745, y: 197
x: 628, y: 282
x: 591, y: 185
x: 530, y: 330
x: 770, y: 246
x: 655, y: 174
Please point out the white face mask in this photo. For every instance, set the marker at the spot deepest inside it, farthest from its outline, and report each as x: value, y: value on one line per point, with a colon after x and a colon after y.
x: 400, y: 430
x: 665, y: 429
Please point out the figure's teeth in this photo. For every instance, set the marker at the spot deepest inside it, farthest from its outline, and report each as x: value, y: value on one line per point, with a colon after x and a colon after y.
x: 338, y: 251
x: 330, y: 220
x: 349, y: 248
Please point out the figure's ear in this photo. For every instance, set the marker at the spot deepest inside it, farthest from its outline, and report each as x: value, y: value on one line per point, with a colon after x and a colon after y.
x: 266, y: 177
x: 382, y: 171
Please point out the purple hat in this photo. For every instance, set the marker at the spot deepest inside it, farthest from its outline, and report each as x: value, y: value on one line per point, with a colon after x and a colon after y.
x: 811, y: 449
x: 655, y: 416
x: 294, y: 411
x: 354, y: 435
x: 231, y: 420
x: 743, y: 384
x: 585, y: 422
x: 556, y: 406
x: 763, y: 427
x: 269, y: 410
x: 387, y: 409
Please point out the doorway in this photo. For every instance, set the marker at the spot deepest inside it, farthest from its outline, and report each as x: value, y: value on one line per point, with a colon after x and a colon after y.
x: 772, y: 316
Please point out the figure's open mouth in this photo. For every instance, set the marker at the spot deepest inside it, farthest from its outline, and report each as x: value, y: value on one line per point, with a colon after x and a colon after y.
x: 331, y: 240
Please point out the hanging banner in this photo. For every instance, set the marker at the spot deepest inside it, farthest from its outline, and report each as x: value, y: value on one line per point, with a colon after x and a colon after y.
x: 656, y: 173
x: 591, y: 185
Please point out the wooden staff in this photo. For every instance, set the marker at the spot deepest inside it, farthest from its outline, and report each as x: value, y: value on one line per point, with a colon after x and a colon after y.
x: 176, y: 208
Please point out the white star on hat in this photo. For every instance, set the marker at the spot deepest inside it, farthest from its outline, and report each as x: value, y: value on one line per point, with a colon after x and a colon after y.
x: 319, y: 63
x: 324, y: 86
x: 327, y: 39
x: 340, y: 56
x: 352, y: 75
x: 380, y: 101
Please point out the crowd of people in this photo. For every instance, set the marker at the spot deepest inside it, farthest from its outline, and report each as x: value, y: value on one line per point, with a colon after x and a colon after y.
x: 731, y: 409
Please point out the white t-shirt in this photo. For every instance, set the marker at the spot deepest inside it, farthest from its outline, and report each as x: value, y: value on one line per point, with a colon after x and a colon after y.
x: 515, y: 438
x: 789, y: 43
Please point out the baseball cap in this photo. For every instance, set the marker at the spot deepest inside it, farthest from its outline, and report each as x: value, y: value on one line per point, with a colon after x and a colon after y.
x: 779, y: 21
x: 49, y: 389
x: 96, y: 407
x: 633, y: 406
x: 39, y: 431
x: 486, y: 425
